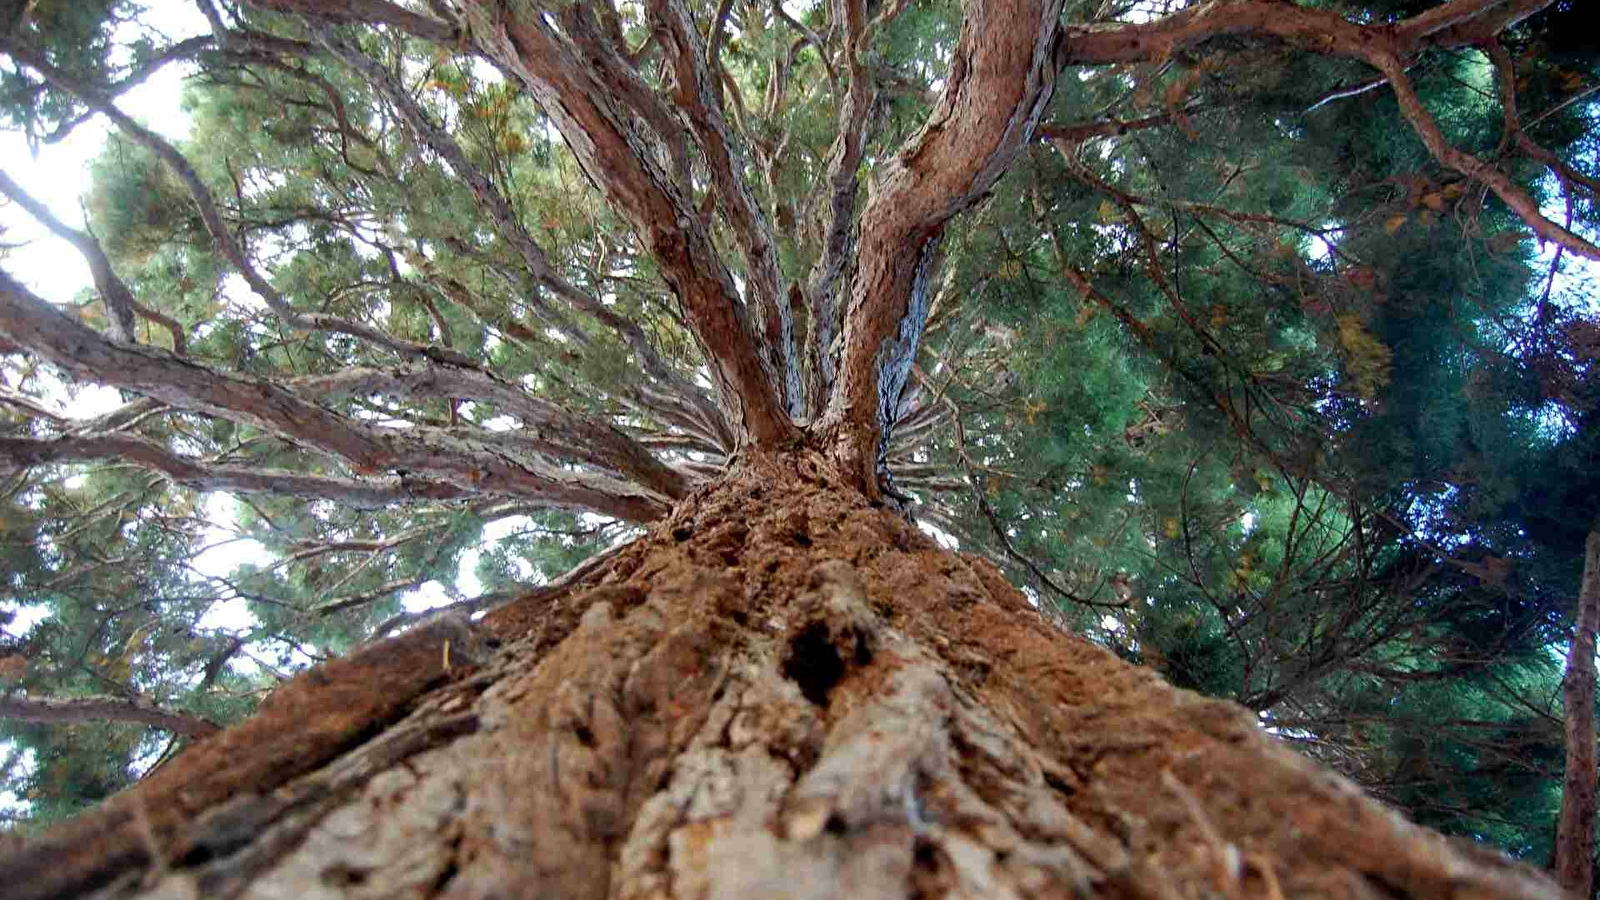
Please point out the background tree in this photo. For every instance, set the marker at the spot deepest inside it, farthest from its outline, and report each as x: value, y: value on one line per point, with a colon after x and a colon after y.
x: 1244, y: 373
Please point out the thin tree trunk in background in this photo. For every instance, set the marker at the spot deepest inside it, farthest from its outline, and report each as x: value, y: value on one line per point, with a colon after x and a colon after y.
x: 779, y: 692
x: 1575, y: 833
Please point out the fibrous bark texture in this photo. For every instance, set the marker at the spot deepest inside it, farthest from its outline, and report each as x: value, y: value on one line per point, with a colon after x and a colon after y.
x: 780, y: 691
x: 1575, y: 830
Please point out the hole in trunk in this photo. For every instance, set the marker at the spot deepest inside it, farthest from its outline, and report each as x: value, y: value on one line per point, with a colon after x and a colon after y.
x: 1059, y: 783
x: 340, y: 875
x: 925, y: 855
x: 813, y: 664
x: 447, y: 875
x: 584, y: 735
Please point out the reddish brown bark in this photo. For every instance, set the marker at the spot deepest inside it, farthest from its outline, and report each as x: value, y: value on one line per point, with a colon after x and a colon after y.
x: 585, y: 97
x: 780, y: 691
x: 366, y: 12
x: 1575, y: 830
x: 1000, y: 80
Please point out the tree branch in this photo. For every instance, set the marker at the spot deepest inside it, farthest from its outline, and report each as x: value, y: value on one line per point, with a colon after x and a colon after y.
x: 35, y: 324
x: 366, y: 12
x: 211, y: 216
x: 998, y: 86
x: 511, y: 229
x: 184, y: 49
x: 1383, y: 47
x: 523, y: 42
x: 548, y: 427
x: 71, y: 710
x: 23, y: 452
x: 980, y: 496
x: 839, y: 234
x: 1507, y: 190
x: 118, y: 298
x: 699, y: 94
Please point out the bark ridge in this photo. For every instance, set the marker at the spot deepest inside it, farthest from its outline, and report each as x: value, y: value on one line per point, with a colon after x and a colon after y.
x: 780, y: 691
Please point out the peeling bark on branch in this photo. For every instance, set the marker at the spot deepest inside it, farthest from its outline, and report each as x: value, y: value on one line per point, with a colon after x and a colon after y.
x: 365, y: 12
x: 520, y: 39
x: 1000, y: 81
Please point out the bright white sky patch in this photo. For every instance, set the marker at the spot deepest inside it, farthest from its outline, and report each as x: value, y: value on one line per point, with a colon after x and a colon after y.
x: 226, y: 550
x: 431, y: 595
x: 501, y: 423
x: 946, y: 540
x: 59, y: 175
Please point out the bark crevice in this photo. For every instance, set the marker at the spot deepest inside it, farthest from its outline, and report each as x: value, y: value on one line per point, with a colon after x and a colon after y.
x: 641, y: 738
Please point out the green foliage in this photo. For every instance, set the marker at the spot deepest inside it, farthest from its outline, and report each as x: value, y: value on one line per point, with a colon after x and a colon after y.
x: 1319, y: 476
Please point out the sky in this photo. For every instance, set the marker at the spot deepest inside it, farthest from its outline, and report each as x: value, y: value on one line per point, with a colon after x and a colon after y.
x: 59, y: 177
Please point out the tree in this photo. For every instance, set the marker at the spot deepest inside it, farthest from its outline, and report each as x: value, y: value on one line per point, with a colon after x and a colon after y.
x: 377, y: 299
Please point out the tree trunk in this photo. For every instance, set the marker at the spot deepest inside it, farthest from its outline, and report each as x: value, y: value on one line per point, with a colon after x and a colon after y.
x: 1575, y: 833
x: 780, y: 691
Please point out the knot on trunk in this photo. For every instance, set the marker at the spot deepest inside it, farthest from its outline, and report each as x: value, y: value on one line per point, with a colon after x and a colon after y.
x: 832, y: 628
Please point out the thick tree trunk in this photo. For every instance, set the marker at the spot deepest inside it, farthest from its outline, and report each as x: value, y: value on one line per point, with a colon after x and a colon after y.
x: 1575, y: 833
x: 780, y: 691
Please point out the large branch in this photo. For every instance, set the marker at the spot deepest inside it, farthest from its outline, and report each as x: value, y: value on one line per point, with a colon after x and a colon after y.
x: 1000, y: 80
x: 843, y: 184
x: 1465, y: 23
x: 365, y: 12
x: 521, y: 39
x: 71, y: 710
x: 1386, y: 48
x: 33, y: 323
x: 511, y: 229
x: 547, y: 426
x: 24, y: 452
x: 699, y: 93
x: 1307, y: 28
